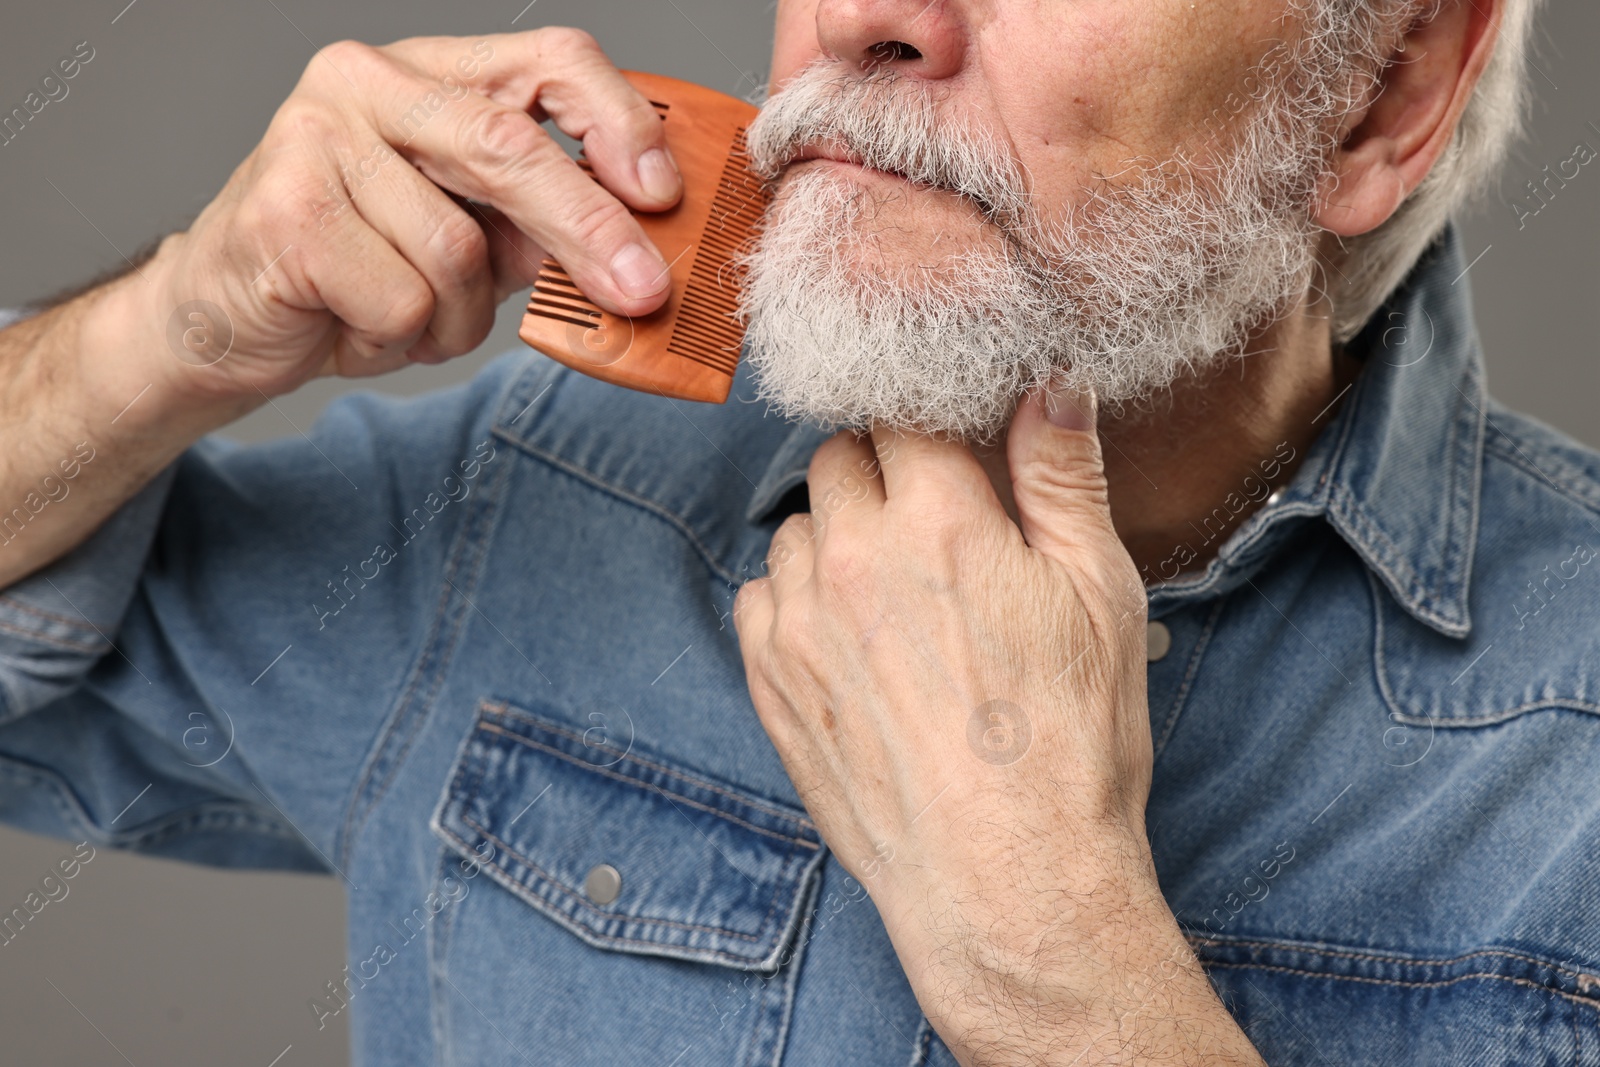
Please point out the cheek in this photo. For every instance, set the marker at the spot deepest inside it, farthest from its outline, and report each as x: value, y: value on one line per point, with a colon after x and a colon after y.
x: 1102, y: 84
x: 1068, y: 108
x: 794, y: 39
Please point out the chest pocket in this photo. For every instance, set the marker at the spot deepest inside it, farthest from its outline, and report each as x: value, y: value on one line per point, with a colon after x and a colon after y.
x: 622, y: 849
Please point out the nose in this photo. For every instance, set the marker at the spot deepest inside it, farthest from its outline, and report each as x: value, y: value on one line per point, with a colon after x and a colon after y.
x: 925, y: 38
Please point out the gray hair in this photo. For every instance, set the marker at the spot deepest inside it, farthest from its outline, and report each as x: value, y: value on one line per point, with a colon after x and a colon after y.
x: 1374, y: 263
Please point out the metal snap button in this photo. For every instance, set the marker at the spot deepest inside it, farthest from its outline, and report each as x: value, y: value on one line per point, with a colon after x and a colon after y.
x: 1157, y: 640
x: 603, y: 883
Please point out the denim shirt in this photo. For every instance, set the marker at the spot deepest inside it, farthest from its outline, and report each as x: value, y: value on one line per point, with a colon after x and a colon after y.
x: 472, y: 654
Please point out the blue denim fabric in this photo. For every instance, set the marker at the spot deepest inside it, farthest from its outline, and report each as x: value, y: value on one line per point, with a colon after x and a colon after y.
x: 463, y: 649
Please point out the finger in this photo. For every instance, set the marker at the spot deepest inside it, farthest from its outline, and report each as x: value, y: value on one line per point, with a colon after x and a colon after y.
x: 561, y: 72
x: 623, y: 137
x: 383, y: 304
x: 753, y: 612
x: 445, y: 246
x: 500, y: 156
x: 921, y: 468
x: 481, y: 148
x: 844, y: 478
x: 1058, y: 477
x: 514, y: 257
x: 754, y: 616
x: 791, y: 556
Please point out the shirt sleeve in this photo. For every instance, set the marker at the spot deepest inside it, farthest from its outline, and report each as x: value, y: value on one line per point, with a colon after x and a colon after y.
x: 204, y: 678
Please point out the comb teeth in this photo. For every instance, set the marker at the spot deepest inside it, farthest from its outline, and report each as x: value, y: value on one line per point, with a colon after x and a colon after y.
x: 707, y: 329
x: 556, y: 297
x: 688, y: 348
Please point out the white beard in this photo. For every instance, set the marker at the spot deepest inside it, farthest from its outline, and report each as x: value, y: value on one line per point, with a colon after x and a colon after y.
x: 1163, y: 274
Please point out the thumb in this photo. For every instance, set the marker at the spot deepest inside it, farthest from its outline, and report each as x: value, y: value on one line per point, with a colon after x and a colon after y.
x: 1058, y: 477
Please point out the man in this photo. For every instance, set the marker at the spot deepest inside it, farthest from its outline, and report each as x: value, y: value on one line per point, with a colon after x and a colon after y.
x: 648, y: 733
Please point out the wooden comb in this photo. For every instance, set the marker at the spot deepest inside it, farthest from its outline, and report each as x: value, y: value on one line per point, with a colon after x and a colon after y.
x: 689, y: 347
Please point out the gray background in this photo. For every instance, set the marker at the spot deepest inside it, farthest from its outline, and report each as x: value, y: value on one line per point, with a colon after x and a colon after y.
x: 163, y: 963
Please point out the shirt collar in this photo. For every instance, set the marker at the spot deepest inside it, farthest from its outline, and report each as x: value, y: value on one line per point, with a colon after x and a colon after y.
x: 1401, y: 483
x: 1395, y: 472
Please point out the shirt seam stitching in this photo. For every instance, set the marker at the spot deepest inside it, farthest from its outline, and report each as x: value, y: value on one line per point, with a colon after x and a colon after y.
x: 1389, y: 560
x: 1378, y: 957
x: 806, y: 908
x: 173, y: 824
x: 23, y: 606
x: 96, y: 648
x: 1195, y: 657
x: 1459, y: 467
x: 555, y: 883
x: 1380, y: 665
x: 626, y: 496
x: 1572, y: 997
x: 607, y: 772
x: 464, y: 561
x: 1571, y: 481
x: 511, y: 711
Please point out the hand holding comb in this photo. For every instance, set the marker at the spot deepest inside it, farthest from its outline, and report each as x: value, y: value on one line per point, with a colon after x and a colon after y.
x: 689, y: 347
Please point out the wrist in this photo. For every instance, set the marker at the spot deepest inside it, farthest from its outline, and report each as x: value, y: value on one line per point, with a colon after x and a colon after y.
x: 1088, y: 956
x: 138, y: 377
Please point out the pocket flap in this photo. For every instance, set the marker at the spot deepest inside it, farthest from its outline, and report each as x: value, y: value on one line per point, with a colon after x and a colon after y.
x: 707, y: 872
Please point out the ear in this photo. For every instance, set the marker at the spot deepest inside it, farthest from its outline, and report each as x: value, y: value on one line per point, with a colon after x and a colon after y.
x: 1392, y: 143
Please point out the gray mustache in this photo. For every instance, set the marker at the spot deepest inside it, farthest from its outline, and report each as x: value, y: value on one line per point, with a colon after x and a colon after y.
x: 891, y: 126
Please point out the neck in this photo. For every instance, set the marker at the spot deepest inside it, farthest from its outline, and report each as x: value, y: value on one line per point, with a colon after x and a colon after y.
x: 1191, y: 466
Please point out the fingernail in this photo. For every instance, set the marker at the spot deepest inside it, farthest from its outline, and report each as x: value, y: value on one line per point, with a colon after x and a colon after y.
x: 639, y: 272
x: 1068, y: 408
x: 658, y: 175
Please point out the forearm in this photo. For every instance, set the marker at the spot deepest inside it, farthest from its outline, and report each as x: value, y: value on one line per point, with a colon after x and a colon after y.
x: 92, y: 406
x: 1082, y: 975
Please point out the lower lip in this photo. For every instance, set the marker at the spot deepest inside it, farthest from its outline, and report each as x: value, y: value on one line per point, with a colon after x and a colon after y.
x: 857, y: 167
